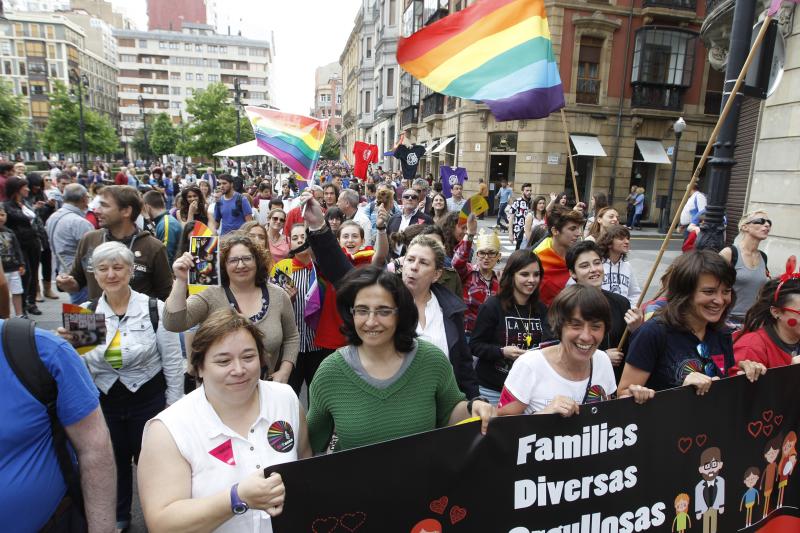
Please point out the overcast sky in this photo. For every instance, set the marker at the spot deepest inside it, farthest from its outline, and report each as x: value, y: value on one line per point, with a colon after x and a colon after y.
x: 308, y: 34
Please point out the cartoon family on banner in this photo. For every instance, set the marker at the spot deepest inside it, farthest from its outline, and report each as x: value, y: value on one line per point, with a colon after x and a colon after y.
x: 709, y: 493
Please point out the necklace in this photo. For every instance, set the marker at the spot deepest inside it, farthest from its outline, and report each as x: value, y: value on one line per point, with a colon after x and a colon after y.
x: 275, y: 240
x: 526, y: 324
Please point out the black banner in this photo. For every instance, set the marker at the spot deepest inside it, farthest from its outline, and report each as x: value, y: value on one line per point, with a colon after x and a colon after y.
x: 681, y: 462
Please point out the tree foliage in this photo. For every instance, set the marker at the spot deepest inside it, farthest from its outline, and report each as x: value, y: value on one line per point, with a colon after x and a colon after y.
x: 163, y: 135
x: 13, y: 124
x: 330, y: 147
x: 213, y: 124
x: 139, y: 145
x: 62, y: 133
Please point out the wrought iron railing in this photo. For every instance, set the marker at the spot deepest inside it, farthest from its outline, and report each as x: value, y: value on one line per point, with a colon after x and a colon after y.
x: 657, y: 96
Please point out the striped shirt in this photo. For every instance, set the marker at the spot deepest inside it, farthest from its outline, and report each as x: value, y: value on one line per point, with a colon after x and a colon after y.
x: 301, y: 278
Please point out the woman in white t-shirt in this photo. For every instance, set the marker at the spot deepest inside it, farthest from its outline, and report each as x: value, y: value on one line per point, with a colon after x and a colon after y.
x: 202, y: 461
x: 558, y: 379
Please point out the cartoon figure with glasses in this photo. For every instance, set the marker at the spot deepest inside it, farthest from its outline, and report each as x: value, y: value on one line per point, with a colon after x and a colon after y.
x: 709, y: 494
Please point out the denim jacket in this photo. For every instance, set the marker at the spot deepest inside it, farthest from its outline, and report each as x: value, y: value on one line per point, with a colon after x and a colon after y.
x: 144, y: 354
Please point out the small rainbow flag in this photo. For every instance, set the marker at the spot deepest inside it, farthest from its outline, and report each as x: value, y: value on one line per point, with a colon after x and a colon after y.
x: 476, y: 205
x: 295, y: 140
x: 495, y: 51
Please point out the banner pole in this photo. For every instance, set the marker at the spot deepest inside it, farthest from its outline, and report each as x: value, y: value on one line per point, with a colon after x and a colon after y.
x: 569, y: 156
x: 711, y: 140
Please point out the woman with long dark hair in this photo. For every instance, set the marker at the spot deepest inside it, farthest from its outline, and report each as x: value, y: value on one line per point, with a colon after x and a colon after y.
x: 192, y: 206
x: 20, y: 220
x: 438, y: 208
x: 771, y: 334
x: 536, y: 217
x: 509, y: 323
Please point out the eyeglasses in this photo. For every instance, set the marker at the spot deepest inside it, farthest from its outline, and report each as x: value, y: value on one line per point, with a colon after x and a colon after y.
x: 410, y: 197
x: 759, y: 221
x: 790, y: 310
x: 366, y: 312
x: 487, y: 253
x: 278, y: 219
x: 245, y: 260
x: 710, y: 368
x: 710, y: 465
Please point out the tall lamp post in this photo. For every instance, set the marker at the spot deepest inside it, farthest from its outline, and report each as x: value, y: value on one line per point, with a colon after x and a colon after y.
x: 679, y: 126
x: 237, y: 101
x: 81, y: 81
x: 144, y: 123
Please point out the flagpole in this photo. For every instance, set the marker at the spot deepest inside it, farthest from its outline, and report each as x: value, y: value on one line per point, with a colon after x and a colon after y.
x: 569, y: 156
x: 711, y: 140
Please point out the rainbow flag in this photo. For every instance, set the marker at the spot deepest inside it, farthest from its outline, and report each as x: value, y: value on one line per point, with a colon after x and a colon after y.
x: 555, y: 274
x: 295, y: 140
x: 476, y: 204
x: 495, y: 51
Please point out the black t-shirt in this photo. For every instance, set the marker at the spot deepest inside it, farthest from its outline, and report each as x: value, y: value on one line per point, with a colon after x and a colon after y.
x: 523, y: 326
x: 409, y: 159
x: 670, y: 355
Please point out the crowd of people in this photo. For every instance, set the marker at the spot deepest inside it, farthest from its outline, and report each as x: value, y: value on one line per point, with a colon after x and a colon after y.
x: 370, y: 301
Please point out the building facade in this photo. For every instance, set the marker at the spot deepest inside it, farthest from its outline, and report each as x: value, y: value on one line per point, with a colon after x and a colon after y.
x: 349, y: 61
x: 166, y: 67
x: 39, y: 49
x: 767, y: 170
x: 328, y: 95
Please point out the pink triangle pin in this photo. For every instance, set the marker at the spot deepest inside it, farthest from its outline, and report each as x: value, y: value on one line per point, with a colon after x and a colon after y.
x: 224, y: 452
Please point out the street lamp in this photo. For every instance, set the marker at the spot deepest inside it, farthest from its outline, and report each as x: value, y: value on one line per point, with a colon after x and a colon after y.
x: 144, y: 123
x: 679, y: 126
x: 237, y: 101
x: 81, y: 81
x: 183, y: 138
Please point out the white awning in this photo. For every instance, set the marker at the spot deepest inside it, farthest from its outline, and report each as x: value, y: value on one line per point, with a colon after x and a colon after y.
x: 653, y: 152
x: 587, y: 145
x: 246, y: 149
x: 442, y: 145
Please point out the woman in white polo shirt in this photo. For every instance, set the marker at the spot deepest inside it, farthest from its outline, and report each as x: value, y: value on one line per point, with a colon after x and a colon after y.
x: 203, y: 459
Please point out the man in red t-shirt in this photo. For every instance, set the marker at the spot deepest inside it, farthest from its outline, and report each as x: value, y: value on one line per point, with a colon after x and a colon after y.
x: 364, y: 155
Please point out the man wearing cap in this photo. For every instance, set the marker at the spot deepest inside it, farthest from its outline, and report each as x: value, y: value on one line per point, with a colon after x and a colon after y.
x: 479, y: 279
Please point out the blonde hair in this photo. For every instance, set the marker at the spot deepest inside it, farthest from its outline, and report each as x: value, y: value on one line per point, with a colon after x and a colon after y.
x: 434, y: 245
x: 750, y: 216
x: 682, y: 497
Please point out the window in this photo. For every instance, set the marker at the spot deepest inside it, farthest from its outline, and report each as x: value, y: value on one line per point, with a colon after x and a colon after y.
x: 51, y: 51
x: 174, y: 75
x: 40, y: 108
x: 198, y: 77
x: 663, y: 56
x: 142, y: 43
x: 20, y: 49
x: 23, y: 72
x: 187, y: 47
x: 162, y: 45
x: 242, y: 51
x: 34, y: 49
x: 223, y: 49
x: 368, y: 51
x: 587, y: 90
x: 7, y: 68
x: 175, y: 105
x: 189, y: 76
x: 367, y: 101
x: 127, y: 43
x: 35, y: 30
x: 176, y: 91
x: 18, y: 29
x: 38, y: 88
x: 389, y: 82
x: 339, y: 98
x: 50, y: 31
x: 392, y: 12
x: 212, y: 48
x: 198, y: 48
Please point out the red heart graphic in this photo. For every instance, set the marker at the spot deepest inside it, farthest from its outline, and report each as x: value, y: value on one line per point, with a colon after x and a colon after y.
x: 684, y: 444
x: 352, y: 521
x: 324, y: 525
x: 754, y: 428
x: 439, y: 506
x: 767, y: 430
x: 701, y: 439
x: 457, y: 514
x: 767, y: 415
x: 778, y: 420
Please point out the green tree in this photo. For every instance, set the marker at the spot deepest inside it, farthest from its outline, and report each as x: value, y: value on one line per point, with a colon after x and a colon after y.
x: 139, y: 145
x: 330, y: 147
x: 213, y: 124
x: 62, y: 133
x: 163, y: 135
x: 13, y: 123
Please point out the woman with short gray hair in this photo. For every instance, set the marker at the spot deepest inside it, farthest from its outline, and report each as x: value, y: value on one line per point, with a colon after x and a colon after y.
x: 138, y: 367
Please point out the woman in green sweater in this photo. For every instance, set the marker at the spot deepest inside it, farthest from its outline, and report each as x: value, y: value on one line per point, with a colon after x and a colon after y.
x: 385, y: 383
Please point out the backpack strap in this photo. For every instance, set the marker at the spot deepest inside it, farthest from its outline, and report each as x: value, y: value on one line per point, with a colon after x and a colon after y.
x: 152, y: 306
x: 27, y: 365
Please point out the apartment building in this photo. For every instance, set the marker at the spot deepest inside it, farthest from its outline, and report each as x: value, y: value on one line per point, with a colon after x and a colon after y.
x: 328, y: 95
x: 166, y: 67
x: 37, y: 49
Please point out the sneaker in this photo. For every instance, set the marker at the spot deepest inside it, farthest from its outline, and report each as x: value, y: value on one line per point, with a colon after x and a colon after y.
x: 33, y: 309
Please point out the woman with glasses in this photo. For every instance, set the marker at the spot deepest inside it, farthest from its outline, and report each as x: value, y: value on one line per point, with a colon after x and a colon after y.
x: 259, y: 234
x: 683, y: 344
x: 509, y: 323
x: 244, y: 287
x: 277, y: 240
x: 385, y: 383
x: 771, y: 334
x: 749, y: 262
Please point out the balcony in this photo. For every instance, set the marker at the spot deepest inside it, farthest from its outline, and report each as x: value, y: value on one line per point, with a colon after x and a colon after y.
x: 433, y: 104
x: 452, y: 103
x: 657, y: 97
x: 409, y: 116
x: 671, y: 4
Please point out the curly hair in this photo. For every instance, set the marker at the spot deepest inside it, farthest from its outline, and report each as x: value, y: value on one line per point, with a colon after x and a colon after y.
x: 448, y: 226
x: 201, y: 202
x: 606, y: 241
x: 237, y: 237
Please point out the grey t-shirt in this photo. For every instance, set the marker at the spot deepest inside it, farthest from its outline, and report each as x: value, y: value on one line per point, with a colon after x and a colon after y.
x: 350, y: 355
x: 748, y: 283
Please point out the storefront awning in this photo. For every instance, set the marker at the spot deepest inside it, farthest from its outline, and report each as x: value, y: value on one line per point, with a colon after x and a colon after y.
x: 587, y: 145
x: 653, y: 152
x: 442, y: 145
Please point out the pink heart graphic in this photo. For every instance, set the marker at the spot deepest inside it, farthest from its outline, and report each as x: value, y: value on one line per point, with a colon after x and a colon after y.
x: 685, y: 444
x: 754, y: 428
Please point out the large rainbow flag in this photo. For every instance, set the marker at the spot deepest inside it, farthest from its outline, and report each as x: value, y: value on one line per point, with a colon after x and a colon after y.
x: 495, y: 51
x: 295, y: 140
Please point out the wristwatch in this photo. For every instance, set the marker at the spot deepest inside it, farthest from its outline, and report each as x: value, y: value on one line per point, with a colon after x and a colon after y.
x: 237, y: 505
x: 469, y: 403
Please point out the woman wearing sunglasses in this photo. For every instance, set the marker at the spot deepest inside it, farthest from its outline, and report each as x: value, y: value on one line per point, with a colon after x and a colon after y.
x: 771, y: 334
x: 683, y: 343
x: 276, y: 239
x: 749, y: 262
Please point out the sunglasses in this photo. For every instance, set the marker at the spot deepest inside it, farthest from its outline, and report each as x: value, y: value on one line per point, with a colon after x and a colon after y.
x: 410, y: 197
x: 759, y: 221
x: 710, y: 368
x: 278, y: 219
